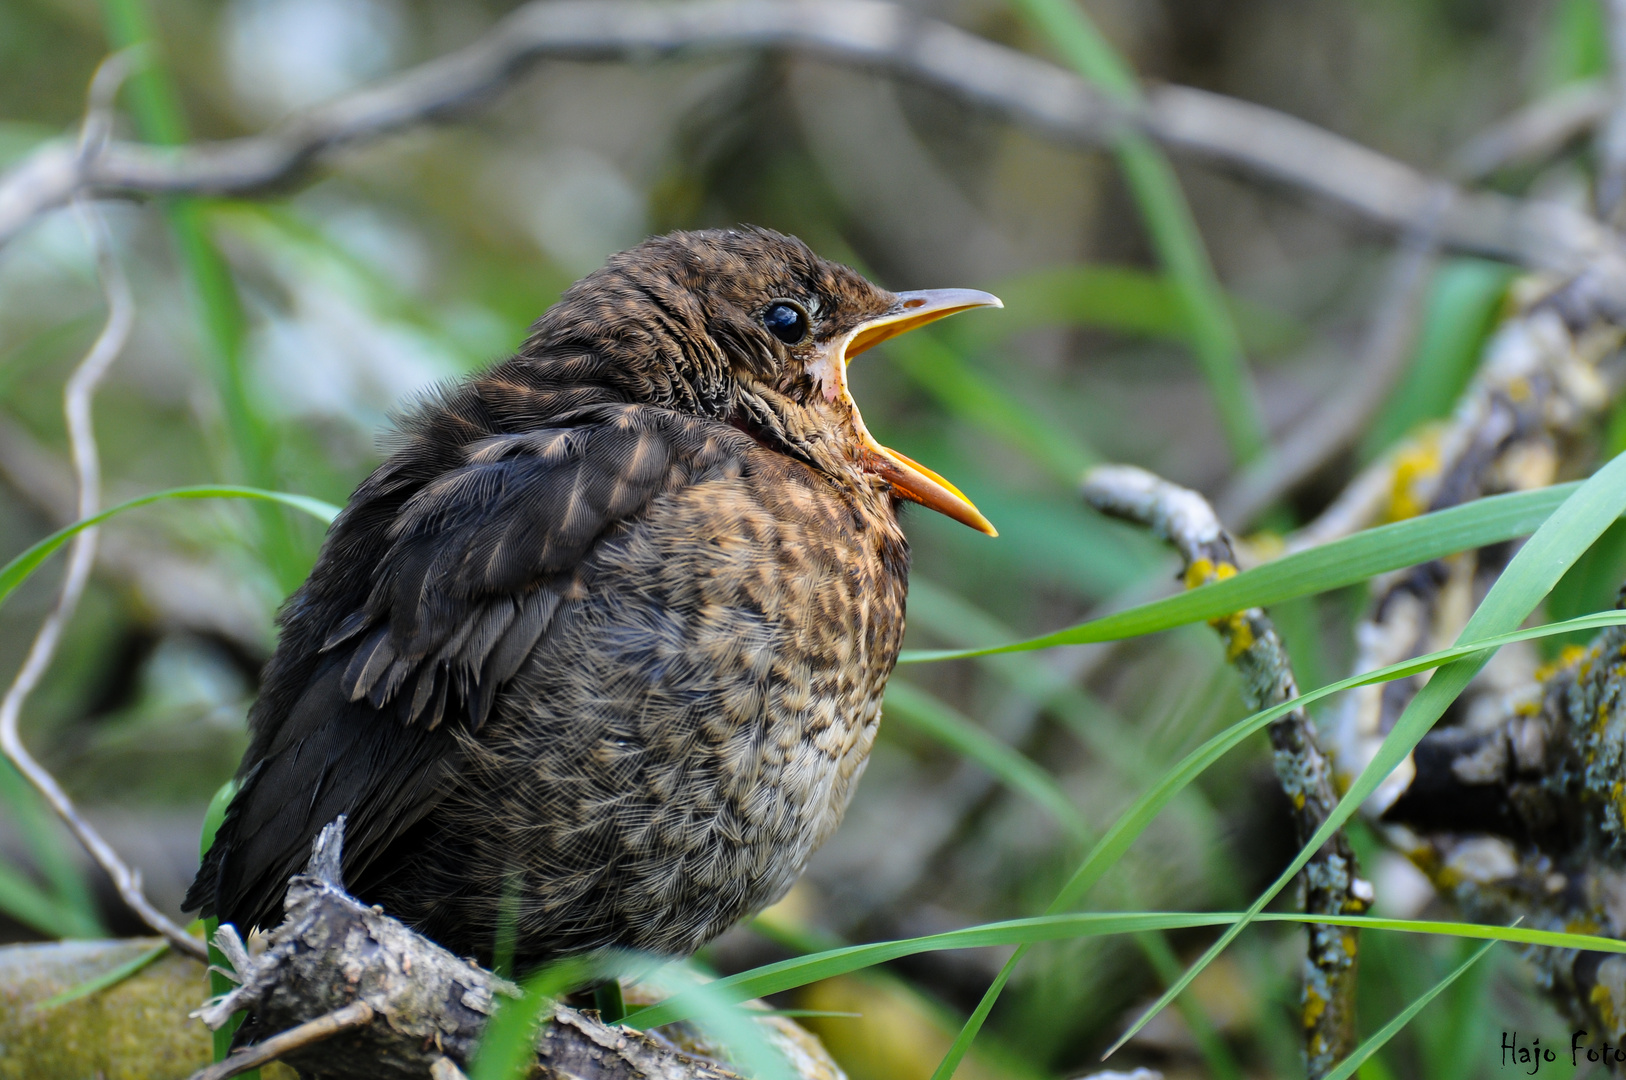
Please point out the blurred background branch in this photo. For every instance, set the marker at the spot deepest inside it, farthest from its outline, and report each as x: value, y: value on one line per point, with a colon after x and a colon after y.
x: 868, y: 32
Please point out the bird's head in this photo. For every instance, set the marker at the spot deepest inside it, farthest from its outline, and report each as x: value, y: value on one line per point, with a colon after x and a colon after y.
x: 752, y: 327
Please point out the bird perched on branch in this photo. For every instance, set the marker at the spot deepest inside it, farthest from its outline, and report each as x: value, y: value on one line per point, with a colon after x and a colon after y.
x: 595, y: 658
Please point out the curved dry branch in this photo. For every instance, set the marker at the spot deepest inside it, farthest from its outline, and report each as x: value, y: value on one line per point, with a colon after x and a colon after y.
x: 76, y: 404
x: 867, y: 33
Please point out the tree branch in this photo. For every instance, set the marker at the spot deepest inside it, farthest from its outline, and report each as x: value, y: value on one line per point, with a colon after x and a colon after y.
x: 866, y: 33
x: 1331, y: 882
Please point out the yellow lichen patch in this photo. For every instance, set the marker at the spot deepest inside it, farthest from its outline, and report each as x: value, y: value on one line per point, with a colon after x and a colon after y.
x: 1314, y: 1006
x: 1418, y: 461
x: 1604, y: 1002
x: 1202, y: 571
x: 1298, y: 800
x: 1240, y: 635
x: 1199, y: 572
x: 1349, y: 944
x: 1567, y: 656
x: 1581, y: 925
x: 1518, y: 390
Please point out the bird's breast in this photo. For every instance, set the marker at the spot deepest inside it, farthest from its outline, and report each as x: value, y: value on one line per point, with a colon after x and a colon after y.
x: 691, y: 728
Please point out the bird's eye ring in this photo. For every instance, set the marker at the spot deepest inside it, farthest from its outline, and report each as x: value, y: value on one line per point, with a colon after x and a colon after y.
x: 787, y: 320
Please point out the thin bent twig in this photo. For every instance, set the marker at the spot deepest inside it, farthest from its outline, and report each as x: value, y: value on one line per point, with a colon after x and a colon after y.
x: 1534, y: 132
x: 77, y: 397
x: 356, y: 1014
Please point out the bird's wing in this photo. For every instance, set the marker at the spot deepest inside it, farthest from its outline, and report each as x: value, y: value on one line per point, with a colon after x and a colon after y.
x: 454, y: 589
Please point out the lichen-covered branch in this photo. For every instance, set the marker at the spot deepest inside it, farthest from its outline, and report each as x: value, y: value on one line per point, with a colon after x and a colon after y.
x: 1536, y: 401
x: 1513, y: 805
x: 1331, y: 882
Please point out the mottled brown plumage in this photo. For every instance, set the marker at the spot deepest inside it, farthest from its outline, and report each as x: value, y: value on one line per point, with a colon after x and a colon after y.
x: 599, y: 651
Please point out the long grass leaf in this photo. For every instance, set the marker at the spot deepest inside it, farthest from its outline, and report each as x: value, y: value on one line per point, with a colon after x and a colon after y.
x: 1529, y: 576
x: 155, y: 107
x: 18, y: 569
x: 73, y: 904
x: 1331, y: 566
x: 98, y: 983
x: 1133, y: 820
x: 1461, y: 312
x: 801, y: 970
x: 507, y: 1049
x: 219, y: 983
x: 1346, y: 1068
x: 717, y: 1011
x: 1143, y: 810
x: 27, y: 903
x: 1169, y: 222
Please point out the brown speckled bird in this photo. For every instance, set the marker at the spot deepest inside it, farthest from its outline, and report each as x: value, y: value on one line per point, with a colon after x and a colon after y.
x: 598, y: 652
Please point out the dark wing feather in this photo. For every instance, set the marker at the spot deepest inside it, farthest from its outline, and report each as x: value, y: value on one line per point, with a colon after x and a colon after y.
x: 427, y: 599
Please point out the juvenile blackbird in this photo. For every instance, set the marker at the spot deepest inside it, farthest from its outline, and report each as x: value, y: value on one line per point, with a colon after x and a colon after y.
x: 595, y: 658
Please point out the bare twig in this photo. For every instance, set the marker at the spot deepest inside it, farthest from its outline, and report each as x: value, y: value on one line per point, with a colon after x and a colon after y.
x: 866, y: 33
x: 77, y: 396
x: 1342, y: 418
x: 1536, y: 131
x: 1611, y: 182
x: 354, y: 1015
x: 1331, y: 881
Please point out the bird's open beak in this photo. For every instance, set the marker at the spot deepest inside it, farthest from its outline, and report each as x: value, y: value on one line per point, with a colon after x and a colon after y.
x: 909, y: 479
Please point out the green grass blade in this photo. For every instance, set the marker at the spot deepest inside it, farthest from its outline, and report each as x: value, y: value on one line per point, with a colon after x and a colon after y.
x: 507, y: 1047
x: 1129, y: 825
x: 72, y: 902
x: 1529, y: 576
x: 717, y: 1011
x: 801, y: 970
x: 1464, y: 301
x: 155, y: 107
x: 32, y: 906
x: 950, y: 616
x: 1168, y: 219
x: 1331, y: 566
x: 1346, y: 1068
x: 101, y: 982
x: 926, y: 714
x: 18, y: 569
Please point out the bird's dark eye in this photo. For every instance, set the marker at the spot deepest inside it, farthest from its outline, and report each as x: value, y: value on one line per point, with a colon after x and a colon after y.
x: 786, y: 321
